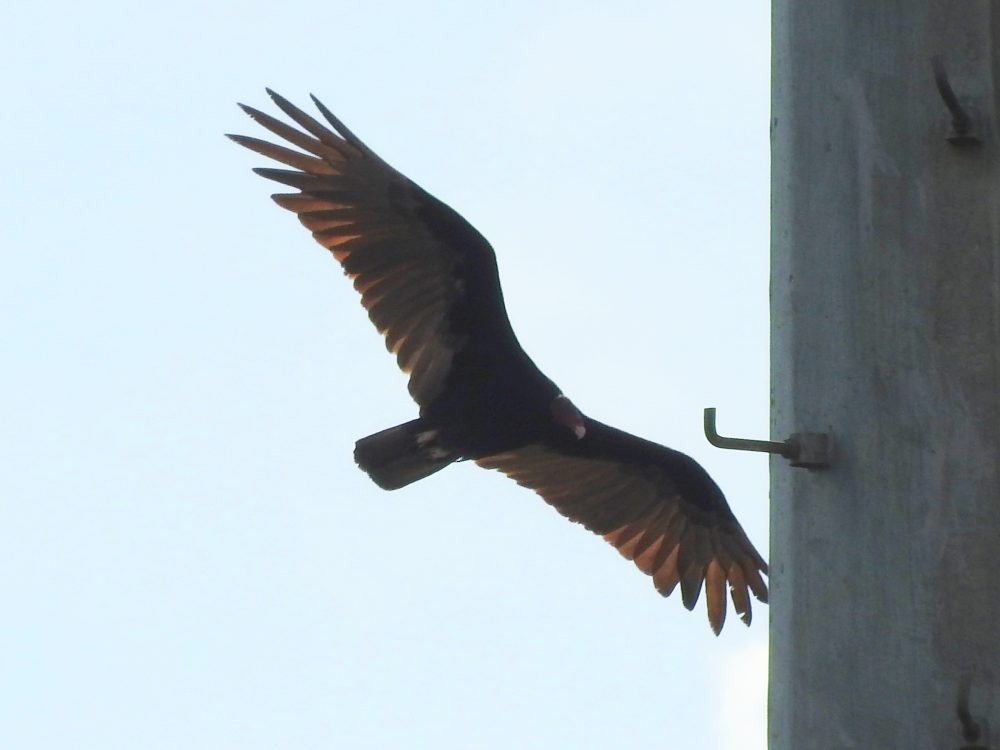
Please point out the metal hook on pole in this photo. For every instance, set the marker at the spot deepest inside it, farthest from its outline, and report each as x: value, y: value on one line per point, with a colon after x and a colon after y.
x: 807, y: 450
x: 963, y: 119
x: 974, y: 732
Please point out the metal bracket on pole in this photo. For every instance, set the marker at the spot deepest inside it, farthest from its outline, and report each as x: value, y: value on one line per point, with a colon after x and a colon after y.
x: 966, y: 123
x: 807, y: 450
x: 975, y: 732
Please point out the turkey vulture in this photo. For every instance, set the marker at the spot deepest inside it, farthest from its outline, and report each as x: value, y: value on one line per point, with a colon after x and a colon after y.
x: 429, y: 282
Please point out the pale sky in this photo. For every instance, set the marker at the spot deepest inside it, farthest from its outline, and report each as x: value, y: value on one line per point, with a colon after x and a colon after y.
x: 191, y: 558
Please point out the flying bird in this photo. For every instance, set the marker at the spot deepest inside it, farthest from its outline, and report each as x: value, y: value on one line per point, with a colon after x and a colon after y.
x: 430, y: 284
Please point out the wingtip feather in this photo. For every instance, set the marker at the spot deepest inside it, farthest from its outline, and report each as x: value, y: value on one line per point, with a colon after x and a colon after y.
x: 715, y: 595
x: 281, y: 101
x: 690, y: 591
x: 252, y: 112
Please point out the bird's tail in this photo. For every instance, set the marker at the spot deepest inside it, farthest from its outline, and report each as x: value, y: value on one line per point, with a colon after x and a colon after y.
x: 403, y: 454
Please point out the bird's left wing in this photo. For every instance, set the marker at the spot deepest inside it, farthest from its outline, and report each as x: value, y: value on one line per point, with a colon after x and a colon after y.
x: 427, y: 278
x: 658, y: 507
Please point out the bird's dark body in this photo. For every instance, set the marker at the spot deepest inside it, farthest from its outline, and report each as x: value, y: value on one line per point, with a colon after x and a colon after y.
x: 485, y: 415
x: 430, y: 284
x: 495, y: 398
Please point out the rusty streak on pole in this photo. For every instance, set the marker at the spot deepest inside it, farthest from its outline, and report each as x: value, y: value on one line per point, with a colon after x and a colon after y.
x: 885, y: 567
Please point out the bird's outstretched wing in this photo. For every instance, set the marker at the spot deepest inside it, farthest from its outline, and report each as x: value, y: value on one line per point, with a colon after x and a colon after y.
x: 658, y: 507
x: 427, y: 278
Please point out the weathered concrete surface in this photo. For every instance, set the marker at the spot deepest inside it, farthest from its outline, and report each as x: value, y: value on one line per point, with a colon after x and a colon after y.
x: 885, y: 332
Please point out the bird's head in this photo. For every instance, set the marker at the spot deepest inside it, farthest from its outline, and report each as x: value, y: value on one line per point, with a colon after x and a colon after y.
x: 566, y: 415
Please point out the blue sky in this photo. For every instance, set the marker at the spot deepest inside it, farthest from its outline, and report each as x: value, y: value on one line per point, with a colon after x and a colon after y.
x: 191, y: 558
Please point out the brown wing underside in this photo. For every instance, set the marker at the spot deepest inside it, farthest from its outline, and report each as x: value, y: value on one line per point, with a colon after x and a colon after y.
x: 369, y: 217
x: 645, y: 518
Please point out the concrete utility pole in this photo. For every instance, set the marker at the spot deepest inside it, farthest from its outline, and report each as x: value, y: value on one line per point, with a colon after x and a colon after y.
x: 886, y: 334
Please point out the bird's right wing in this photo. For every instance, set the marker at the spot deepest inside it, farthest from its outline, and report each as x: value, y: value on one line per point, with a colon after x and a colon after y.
x: 427, y: 278
x: 658, y: 507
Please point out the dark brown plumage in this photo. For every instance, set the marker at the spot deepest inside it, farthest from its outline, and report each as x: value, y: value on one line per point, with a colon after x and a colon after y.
x: 429, y: 282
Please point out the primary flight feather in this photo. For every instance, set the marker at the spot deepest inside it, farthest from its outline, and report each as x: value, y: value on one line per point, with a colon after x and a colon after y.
x: 429, y: 282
